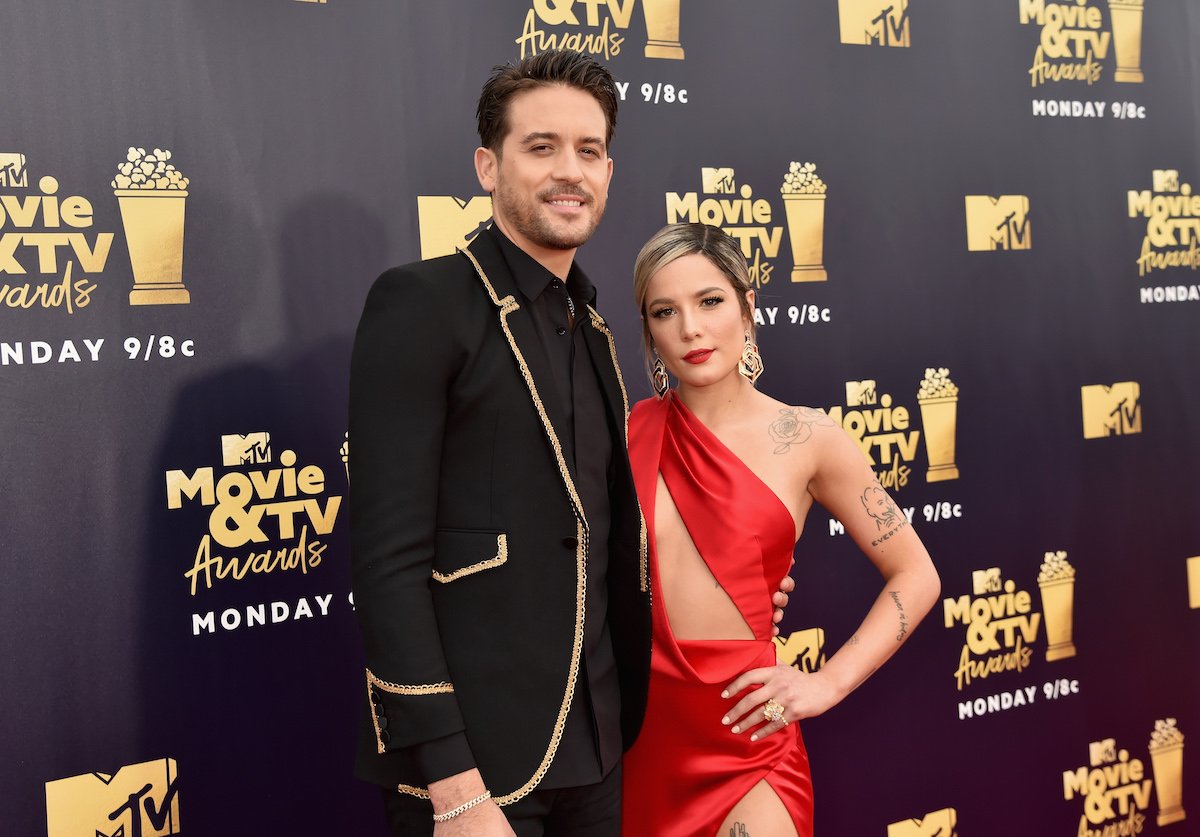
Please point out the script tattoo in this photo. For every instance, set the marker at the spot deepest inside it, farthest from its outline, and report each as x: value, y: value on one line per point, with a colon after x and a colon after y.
x: 794, y: 426
x: 739, y: 830
x: 903, y: 617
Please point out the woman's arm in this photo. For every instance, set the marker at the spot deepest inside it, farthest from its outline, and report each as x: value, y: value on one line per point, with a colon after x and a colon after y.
x: 845, y: 485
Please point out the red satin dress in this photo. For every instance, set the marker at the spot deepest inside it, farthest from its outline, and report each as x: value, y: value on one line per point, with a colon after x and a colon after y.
x: 687, y: 771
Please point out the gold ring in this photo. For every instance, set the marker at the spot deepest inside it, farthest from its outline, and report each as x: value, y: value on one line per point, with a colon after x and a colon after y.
x: 773, y: 711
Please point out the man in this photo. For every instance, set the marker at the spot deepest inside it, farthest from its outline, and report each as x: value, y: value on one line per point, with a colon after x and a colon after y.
x: 499, y: 557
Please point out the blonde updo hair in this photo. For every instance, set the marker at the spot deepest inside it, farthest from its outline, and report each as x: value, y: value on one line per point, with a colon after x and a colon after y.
x: 675, y: 241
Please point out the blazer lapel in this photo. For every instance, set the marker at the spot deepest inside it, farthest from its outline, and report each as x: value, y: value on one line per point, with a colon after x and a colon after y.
x: 603, y: 350
x: 517, y: 324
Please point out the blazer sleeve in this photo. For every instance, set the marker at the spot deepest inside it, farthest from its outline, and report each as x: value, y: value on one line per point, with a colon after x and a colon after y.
x: 403, y: 365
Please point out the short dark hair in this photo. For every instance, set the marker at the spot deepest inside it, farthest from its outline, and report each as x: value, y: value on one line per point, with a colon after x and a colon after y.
x: 553, y: 66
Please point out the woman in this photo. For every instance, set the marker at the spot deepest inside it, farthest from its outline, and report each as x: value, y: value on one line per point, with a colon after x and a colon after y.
x: 726, y: 476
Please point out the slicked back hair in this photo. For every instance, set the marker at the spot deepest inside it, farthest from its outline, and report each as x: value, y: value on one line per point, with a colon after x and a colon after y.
x: 552, y: 67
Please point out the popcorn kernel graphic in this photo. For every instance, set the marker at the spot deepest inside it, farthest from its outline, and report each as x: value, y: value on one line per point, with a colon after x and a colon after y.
x: 1056, y: 578
x: 938, y: 398
x: 152, y: 195
x: 1166, y: 755
x: 804, y: 202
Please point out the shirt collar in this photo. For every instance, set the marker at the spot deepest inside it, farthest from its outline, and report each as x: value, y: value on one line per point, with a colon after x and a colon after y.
x: 532, y: 278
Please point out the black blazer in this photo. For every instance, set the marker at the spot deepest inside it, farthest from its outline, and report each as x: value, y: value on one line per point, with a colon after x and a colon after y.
x: 468, y: 538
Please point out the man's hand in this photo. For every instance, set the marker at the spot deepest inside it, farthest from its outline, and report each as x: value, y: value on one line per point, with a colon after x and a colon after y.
x: 780, y: 600
x: 485, y: 819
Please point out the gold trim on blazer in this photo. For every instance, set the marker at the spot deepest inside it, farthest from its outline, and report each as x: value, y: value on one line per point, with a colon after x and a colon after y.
x: 507, y: 306
x: 602, y: 327
x: 399, y: 689
x: 501, y: 557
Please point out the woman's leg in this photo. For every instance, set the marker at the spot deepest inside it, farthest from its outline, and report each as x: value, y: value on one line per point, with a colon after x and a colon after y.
x: 760, y: 813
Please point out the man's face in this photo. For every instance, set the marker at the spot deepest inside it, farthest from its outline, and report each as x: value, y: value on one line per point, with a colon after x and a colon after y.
x: 549, y: 184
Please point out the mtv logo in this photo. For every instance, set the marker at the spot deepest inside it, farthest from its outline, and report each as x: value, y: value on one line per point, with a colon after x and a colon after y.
x: 860, y: 393
x: 874, y: 22
x: 13, y: 174
x: 998, y: 223
x: 247, y: 449
x: 448, y: 223
x: 717, y: 181
x: 934, y: 824
x: 804, y: 649
x: 1111, y: 411
x: 138, y: 799
x: 1102, y: 752
x: 986, y: 581
x: 1166, y: 180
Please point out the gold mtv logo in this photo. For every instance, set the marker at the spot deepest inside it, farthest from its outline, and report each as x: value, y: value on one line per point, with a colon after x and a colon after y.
x: 803, y: 649
x: 13, y: 174
x: 860, y: 393
x: 717, y: 181
x: 998, y: 223
x: 934, y: 824
x: 138, y: 799
x: 874, y: 22
x: 245, y: 449
x: 1102, y: 752
x: 986, y: 581
x: 1111, y: 411
x: 448, y: 223
x: 1165, y: 180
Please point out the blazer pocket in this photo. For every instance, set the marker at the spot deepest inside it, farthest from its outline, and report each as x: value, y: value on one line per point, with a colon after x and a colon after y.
x: 462, y: 552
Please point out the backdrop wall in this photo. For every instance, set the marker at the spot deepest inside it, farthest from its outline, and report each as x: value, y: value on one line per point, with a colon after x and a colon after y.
x: 974, y: 236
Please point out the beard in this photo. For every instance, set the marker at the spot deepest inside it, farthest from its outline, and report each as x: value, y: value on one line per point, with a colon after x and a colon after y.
x: 530, y: 218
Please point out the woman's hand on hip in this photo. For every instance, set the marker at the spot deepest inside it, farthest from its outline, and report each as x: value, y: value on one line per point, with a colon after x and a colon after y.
x: 783, y: 691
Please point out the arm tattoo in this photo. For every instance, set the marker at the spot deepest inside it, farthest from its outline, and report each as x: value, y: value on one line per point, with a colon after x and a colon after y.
x: 739, y: 830
x: 903, y: 617
x: 853, y: 640
x: 883, y: 511
x: 794, y: 426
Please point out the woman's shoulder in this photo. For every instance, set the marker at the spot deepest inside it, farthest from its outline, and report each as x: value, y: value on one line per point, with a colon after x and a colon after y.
x: 793, y: 424
x: 644, y: 408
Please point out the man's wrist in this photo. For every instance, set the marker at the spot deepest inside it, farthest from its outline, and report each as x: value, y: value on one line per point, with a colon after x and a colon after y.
x: 447, y: 794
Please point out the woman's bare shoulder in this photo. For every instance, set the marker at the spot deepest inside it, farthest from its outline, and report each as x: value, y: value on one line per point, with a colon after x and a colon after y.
x: 791, y: 425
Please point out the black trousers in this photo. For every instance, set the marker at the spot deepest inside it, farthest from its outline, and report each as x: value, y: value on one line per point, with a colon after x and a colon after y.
x: 588, y: 811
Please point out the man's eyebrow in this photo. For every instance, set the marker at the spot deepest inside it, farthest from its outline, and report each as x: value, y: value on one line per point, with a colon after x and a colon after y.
x: 534, y: 136
x: 538, y: 135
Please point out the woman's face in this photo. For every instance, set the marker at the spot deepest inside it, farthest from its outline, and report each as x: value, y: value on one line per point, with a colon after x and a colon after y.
x: 695, y: 321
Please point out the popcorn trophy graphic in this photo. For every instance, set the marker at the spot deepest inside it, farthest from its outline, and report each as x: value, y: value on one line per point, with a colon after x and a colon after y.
x: 662, y: 29
x: 152, y: 194
x: 938, y: 397
x: 1166, y: 754
x: 804, y: 199
x: 1193, y: 576
x: 1056, y: 578
x: 1127, y: 39
x: 345, y: 452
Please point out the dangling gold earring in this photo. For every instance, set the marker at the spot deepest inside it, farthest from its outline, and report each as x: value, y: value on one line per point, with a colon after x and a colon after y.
x: 751, y: 364
x: 658, y: 377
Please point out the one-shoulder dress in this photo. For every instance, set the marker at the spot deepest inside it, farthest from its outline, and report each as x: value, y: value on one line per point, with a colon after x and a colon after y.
x: 687, y: 771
